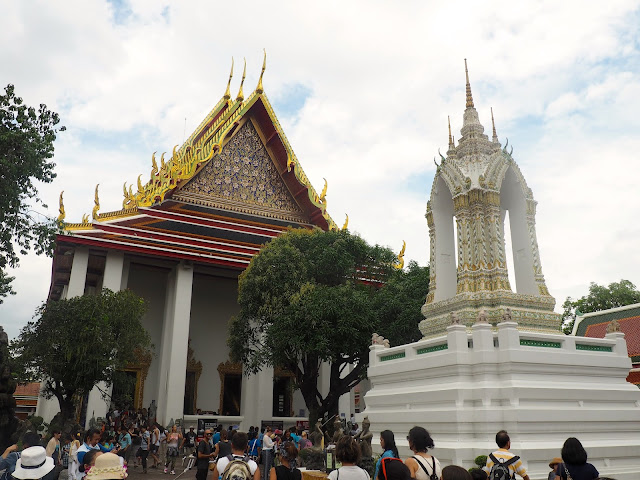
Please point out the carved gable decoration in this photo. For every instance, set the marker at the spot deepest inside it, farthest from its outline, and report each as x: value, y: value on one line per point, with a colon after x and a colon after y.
x: 243, y: 178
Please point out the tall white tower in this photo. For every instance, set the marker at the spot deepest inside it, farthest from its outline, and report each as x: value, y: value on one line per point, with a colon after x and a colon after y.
x: 474, y: 187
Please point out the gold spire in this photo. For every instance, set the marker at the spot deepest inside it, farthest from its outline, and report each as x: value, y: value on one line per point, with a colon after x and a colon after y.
x: 85, y: 219
x: 469, y: 96
x: 260, y: 88
x: 346, y: 222
x: 61, y: 209
x: 451, y: 145
x: 493, y: 124
x: 162, y: 162
x: 140, y: 187
x: 96, y: 206
x: 240, y: 96
x: 227, y: 93
x: 154, y: 165
x: 400, y: 264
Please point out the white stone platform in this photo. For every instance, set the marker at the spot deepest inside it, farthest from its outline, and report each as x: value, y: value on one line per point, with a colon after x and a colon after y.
x: 542, y: 388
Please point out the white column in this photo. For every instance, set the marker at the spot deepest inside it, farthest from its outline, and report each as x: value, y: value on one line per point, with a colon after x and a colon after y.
x: 113, y: 269
x: 78, y: 275
x: 175, y: 340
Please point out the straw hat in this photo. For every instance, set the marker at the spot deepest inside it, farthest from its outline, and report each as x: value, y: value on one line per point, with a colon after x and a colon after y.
x: 555, y: 461
x: 33, y: 464
x: 107, y: 467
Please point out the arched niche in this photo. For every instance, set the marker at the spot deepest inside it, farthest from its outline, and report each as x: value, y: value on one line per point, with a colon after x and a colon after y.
x: 444, y: 237
x: 513, y: 199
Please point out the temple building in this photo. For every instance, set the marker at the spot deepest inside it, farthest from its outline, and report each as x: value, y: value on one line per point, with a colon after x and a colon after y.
x: 181, y: 239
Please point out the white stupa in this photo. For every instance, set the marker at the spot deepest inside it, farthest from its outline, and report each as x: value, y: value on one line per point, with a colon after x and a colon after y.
x: 493, y: 358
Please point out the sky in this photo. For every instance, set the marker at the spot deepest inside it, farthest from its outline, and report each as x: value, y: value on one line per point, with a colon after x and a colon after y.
x: 363, y: 90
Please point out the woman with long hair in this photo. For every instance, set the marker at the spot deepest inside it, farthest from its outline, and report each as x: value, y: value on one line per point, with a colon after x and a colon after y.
x: 389, y: 449
x: 173, y: 440
x: 574, y: 461
x: 422, y: 465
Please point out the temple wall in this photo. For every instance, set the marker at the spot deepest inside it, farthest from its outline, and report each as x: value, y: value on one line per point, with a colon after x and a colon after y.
x: 213, y: 303
x: 150, y: 283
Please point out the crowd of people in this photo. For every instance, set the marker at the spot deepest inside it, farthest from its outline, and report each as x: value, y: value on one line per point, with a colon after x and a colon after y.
x: 100, y: 454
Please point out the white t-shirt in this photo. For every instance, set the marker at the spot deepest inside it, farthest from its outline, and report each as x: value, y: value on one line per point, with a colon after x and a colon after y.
x: 349, y: 473
x: 224, y: 461
x: 267, y: 443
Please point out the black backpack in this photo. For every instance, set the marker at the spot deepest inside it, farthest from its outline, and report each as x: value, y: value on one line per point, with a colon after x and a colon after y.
x: 500, y: 470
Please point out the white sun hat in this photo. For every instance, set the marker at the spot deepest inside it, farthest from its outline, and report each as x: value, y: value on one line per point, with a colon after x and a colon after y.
x: 33, y: 464
x: 108, y: 467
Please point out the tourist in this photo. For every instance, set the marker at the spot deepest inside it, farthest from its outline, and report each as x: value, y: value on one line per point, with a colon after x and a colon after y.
x: 88, y: 461
x: 267, y: 451
x: 33, y: 464
x: 91, y: 442
x: 124, y: 440
x: 54, y: 451
x: 389, y: 449
x: 223, y: 447
x: 11, y: 455
x: 393, y: 469
x: 286, y: 470
x: 348, y: 453
x: 204, y: 455
x: 574, y: 459
x: 107, y: 467
x: 239, y: 445
x: 145, y: 441
x: 216, y: 436
x: 504, y: 456
x: 553, y: 465
x: 255, y: 445
x: 304, y: 441
x: 163, y: 445
x: 478, y: 474
x: 154, y: 446
x: 173, y: 440
x: 189, y: 442
x: 421, y: 464
x: 454, y: 472
x: 73, y: 472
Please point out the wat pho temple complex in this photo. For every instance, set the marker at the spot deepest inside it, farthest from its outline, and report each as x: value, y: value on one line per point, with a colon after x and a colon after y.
x: 180, y: 241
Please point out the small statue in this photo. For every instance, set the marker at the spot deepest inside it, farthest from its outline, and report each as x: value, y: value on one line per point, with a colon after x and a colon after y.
x: 506, y: 316
x: 482, y: 317
x: 379, y: 340
x: 152, y: 410
x: 337, y: 430
x: 455, y: 320
x: 614, y: 326
x: 316, y: 436
x: 364, y: 438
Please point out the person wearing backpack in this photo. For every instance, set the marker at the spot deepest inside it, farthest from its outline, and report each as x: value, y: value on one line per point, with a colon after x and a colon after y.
x: 502, y: 464
x: 422, y: 465
x: 237, y: 465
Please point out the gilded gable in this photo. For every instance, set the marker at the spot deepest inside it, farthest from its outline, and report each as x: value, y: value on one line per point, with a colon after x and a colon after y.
x: 243, y: 178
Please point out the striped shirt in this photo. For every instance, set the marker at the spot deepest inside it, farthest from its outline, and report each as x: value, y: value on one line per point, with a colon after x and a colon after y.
x: 502, y: 455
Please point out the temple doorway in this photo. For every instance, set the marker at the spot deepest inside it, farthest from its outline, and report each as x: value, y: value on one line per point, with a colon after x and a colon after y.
x: 230, y: 388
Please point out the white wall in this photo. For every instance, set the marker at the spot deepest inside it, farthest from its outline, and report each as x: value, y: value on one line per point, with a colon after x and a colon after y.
x: 150, y: 283
x: 213, y: 303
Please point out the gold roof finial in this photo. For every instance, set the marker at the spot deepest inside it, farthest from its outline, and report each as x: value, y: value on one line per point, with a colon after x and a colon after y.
x: 451, y: 145
x: 346, y: 222
x: 61, y: 209
x: 96, y: 206
x: 469, y: 96
x: 240, y: 96
x: 323, y: 195
x: 493, y: 123
x: 154, y: 165
x: 227, y: 93
x: 400, y: 264
x: 85, y: 219
x: 260, y: 88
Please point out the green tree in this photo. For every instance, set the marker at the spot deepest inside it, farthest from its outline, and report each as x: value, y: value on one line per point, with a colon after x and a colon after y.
x: 26, y: 147
x: 8, y: 420
x: 617, y: 294
x: 76, y: 343
x: 310, y: 297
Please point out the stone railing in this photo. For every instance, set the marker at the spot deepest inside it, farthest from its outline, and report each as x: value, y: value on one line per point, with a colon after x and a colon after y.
x: 506, y: 336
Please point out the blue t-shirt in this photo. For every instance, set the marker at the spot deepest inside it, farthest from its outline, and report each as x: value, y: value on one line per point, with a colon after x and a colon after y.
x: 254, y: 445
x: 10, y: 464
x: 385, y: 454
x: 216, y: 438
x: 125, y: 440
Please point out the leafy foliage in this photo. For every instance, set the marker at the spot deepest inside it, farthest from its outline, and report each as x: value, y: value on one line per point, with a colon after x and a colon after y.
x: 26, y: 145
x: 310, y: 297
x: 78, y: 342
x: 617, y: 294
x: 8, y: 421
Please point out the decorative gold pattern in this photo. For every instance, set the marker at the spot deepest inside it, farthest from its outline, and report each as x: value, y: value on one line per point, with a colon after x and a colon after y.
x: 227, y: 368
x: 244, y: 173
x: 141, y: 367
x: 96, y: 204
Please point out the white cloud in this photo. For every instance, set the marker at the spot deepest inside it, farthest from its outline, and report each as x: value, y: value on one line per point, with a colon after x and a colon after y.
x: 561, y: 77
